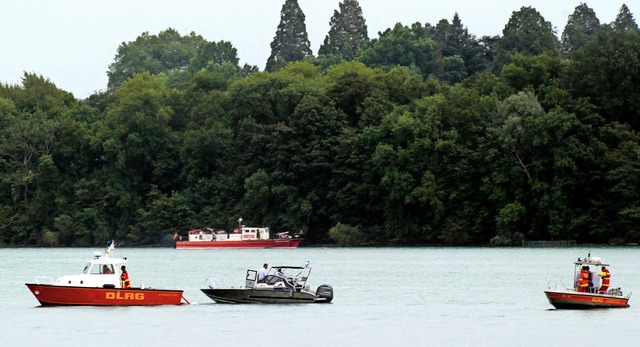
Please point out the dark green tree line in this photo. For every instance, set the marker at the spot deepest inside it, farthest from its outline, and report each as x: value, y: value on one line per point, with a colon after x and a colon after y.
x: 414, y: 141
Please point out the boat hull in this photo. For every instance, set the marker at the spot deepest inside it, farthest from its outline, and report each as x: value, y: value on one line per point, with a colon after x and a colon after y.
x: 264, y: 296
x: 55, y: 295
x: 574, y: 300
x: 275, y: 243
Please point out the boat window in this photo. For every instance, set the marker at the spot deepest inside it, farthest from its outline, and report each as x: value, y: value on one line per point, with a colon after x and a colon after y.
x: 107, y: 269
x: 86, y: 268
x: 252, y: 274
x: 96, y: 269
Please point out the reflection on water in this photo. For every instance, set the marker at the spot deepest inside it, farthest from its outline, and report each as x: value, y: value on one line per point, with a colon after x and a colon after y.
x: 382, y: 297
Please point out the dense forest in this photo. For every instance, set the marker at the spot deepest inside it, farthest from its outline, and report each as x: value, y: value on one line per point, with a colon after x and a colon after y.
x: 423, y: 135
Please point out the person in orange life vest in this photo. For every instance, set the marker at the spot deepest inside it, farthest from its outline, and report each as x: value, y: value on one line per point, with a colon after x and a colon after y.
x: 606, y: 279
x: 583, y: 280
x: 590, y: 288
x: 124, y: 278
x: 106, y: 270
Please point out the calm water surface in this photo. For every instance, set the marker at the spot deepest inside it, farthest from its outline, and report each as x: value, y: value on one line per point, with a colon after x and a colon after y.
x: 382, y: 297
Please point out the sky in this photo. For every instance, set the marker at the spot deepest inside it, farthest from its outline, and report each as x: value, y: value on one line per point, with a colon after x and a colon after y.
x: 73, y: 42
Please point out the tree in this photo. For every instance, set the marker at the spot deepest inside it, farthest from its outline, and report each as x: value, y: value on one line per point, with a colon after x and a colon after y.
x: 581, y: 25
x: 31, y: 183
x: 607, y: 71
x: 624, y: 20
x: 527, y: 33
x: 291, y: 43
x: 138, y: 150
x: 402, y: 46
x: 455, y: 40
x: 214, y: 52
x: 168, y: 52
x: 347, y: 31
x: 178, y: 57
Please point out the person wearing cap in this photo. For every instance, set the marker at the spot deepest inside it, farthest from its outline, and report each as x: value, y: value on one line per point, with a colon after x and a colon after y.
x: 606, y: 280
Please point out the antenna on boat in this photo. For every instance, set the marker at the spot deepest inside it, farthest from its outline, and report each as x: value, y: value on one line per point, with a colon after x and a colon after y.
x: 110, y: 247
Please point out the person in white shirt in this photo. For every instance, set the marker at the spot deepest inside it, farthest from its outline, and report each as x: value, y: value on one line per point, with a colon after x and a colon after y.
x: 262, y: 274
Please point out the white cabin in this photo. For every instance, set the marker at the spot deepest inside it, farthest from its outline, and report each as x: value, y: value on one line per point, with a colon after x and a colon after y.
x: 245, y: 233
x: 100, y: 271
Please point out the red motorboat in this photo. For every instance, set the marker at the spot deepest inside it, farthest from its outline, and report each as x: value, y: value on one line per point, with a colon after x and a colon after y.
x: 241, y: 237
x: 591, y: 296
x: 99, y: 285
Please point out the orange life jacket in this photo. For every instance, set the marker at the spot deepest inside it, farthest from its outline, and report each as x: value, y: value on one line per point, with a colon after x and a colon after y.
x: 124, y: 280
x: 606, y: 277
x: 583, y: 280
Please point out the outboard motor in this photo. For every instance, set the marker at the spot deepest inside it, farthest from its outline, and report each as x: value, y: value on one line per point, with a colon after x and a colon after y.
x: 324, y: 293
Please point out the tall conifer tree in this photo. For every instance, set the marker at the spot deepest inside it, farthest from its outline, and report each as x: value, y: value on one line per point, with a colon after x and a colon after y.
x: 580, y: 26
x: 454, y: 39
x: 624, y: 20
x: 291, y: 42
x: 348, y: 31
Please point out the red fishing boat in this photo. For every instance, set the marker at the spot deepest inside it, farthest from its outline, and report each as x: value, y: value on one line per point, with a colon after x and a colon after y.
x: 241, y: 237
x: 99, y: 284
x: 594, y: 292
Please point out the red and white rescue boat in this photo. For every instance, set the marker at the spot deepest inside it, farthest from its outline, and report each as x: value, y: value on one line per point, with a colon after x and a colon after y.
x: 241, y: 237
x: 593, y: 296
x: 99, y: 285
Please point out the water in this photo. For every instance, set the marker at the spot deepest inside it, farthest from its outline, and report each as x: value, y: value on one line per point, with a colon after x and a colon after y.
x: 382, y: 297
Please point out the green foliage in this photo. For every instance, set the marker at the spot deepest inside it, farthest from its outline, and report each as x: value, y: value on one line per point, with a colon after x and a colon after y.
x: 613, y: 84
x: 291, y: 43
x: 400, y: 46
x: 624, y: 20
x: 526, y: 33
x: 347, y: 31
x: 456, y: 43
x: 413, y: 142
x: 581, y: 25
x: 346, y: 235
x: 525, y: 72
x: 169, y: 54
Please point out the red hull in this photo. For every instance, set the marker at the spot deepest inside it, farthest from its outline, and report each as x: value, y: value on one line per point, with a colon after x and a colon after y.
x: 573, y: 300
x: 50, y: 295
x: 275, y: 243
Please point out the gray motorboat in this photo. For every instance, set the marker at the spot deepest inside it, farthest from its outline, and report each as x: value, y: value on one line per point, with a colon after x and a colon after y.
x: 282, y: 285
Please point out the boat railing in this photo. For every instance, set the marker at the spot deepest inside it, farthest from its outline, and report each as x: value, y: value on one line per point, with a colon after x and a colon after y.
x: 553, y: 285
x: 43, y: 280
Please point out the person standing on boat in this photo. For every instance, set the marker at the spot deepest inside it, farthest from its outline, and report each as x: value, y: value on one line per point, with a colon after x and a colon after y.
x: 124, y: 278
x: 583, y: 280
x: 591, y: 287
x: 606, y: 280
x: 262, y: 274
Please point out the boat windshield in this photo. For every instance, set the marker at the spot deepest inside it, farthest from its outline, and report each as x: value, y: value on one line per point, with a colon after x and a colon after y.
x: 294, y: 274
